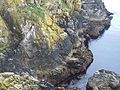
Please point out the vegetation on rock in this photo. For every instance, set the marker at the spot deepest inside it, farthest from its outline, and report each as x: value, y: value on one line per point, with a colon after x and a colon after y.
x: 11, y: 81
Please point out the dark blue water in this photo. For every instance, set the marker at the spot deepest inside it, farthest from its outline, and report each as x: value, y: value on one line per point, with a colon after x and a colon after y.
x: 106, y: 49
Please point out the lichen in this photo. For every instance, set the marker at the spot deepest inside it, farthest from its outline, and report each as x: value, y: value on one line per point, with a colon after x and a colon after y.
x: 4, y: 36
x: 11, y: 81
x: 50, y: 30
x: 44, y: 16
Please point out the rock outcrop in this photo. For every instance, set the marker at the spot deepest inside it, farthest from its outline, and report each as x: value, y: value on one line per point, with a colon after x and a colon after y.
x: 104, y: 80
x: 49, y: 38
x: 11, y: 81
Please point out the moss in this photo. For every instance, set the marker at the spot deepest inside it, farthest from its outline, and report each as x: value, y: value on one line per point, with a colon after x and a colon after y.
x: 4, y: 36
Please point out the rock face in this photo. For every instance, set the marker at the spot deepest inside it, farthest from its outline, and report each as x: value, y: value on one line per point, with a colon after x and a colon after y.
x: 48, y: 38
x: 104, y: 80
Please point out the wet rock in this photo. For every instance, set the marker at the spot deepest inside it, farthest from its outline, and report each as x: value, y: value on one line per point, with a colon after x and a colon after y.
x: 104, y: 80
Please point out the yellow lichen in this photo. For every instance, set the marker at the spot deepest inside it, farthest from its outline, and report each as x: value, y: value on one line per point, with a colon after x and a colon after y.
x: 55, y: 37
x: 14, y: 2
x: 66, y: 14
x: 7, y: 81
x: 77, y: 5
x: 54, y: 26
x: 48, y: 21
x: 44, y: 27
x: 44, y: 14
x: 16, y: 82
x: 54, y: 18
x: 59, y: 30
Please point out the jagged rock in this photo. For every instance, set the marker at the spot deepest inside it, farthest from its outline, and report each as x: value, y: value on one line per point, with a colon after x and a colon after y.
x: 48, y: 38
x: 104, y: 80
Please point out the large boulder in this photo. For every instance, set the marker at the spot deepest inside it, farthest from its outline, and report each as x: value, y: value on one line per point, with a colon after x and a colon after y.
x: 104, y: 80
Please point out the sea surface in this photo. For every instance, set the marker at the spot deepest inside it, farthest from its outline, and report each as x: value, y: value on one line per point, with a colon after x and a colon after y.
x: 106, y: 49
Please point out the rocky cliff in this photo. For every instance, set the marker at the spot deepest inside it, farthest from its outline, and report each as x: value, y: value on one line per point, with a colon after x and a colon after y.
x: 49, y: 38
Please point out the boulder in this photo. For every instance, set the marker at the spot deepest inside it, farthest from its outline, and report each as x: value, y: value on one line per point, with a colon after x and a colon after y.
x: 104, y: 80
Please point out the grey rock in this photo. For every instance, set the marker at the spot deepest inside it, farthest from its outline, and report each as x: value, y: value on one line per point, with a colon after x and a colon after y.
x: 104, y: 80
